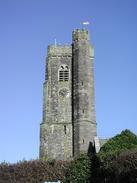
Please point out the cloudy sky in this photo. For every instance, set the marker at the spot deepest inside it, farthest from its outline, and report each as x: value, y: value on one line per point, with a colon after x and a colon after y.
x: 26, y: 29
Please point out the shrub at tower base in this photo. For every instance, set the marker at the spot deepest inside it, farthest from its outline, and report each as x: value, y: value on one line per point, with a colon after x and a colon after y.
x: 35, y: 171
x: 79, y: 170
x: 115, y: 163
x: 39, y: 171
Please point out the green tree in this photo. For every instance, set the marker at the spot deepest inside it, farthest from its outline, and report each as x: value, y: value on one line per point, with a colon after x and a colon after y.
x: 120, y: 143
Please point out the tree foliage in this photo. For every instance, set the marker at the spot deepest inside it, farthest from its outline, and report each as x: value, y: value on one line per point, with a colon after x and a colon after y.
x: 121, y: 142
x: 118, y: 159
x: 124, y: 166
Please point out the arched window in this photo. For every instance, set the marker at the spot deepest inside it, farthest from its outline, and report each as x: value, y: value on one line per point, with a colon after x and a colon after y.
x: 64, y: 73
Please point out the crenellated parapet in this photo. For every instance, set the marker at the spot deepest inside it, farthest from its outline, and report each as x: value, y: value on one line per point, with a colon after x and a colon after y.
x: 59, y: 50
x: 80, y: 35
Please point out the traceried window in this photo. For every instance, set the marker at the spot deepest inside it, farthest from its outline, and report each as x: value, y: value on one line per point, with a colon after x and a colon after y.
x: 64, y: 73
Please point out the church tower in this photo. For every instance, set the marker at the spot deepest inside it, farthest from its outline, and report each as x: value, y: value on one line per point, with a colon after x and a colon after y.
x: 84, y: 122
x: 68, y: 126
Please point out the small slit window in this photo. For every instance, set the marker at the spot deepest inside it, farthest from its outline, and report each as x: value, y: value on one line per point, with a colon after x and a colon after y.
x: 65, y: 129
x: 64, y: 73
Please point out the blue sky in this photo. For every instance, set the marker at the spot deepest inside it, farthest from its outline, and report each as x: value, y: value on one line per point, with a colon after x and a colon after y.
x: 26, y: 28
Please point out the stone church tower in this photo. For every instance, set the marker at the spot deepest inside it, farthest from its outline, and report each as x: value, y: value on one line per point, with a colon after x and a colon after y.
x: 69, y: 125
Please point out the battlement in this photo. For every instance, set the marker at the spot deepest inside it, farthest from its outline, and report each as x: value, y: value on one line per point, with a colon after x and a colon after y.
x: 59, y: 50
x: 79, y: 34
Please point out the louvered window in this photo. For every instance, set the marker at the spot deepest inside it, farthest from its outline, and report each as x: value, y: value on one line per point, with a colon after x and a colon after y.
x: 64, y: 73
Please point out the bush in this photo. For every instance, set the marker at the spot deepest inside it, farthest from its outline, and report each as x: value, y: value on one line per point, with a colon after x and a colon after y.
x: 35, y: 171
x: 125, y: 167
x: 115, y: 163
x: 80, y: 170
x: 39, y: 171
x: 118, y: 159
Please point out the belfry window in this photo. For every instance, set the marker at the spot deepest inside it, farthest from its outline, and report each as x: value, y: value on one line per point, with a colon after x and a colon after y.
x: 64, y: 73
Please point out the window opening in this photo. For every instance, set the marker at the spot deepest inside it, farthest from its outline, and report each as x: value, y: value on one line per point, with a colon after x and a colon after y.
x: 83, y: 141
x: 65, y: 129
x: 64, y: 73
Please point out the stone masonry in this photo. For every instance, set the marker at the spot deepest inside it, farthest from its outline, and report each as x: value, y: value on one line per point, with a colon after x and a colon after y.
x: 69, y: 125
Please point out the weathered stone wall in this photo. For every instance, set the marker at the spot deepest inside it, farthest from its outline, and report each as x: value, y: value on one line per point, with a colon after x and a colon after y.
x: 83, y: 92
x: 56, y: 127
x: 69, y: 123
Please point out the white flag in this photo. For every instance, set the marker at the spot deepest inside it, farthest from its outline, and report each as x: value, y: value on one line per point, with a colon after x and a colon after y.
x: 86, y: 23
